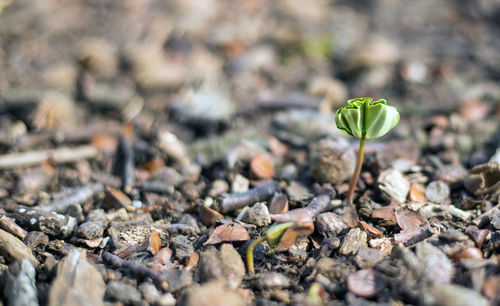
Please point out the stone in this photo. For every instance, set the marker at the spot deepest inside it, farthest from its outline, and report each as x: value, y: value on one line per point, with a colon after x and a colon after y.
x: 258, y: 215
x: 239, y: 184
x: 89, y: 230
x: 368, y: 257
x: 124, y: 293
x: 77, y: 282
x: 438, y: 192
x: 393, y: 185
x: 225, y: 265
x: 182, y: 246
x: 330, y: 224
x: 333, y: 161
x: 212, y: 293
x: 454, y: 295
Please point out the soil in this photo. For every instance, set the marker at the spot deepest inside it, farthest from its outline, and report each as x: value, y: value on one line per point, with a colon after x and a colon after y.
x: 144, y: 145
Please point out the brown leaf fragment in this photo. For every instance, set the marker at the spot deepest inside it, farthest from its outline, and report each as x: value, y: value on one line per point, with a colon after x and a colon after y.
x: 417, y: 193
x: 351, y: 216
x: 192, y: 261
x: 287, y: 239
x: 363, y: 283
x: 385, y: 214
x: 261, y: 167
x: 228, y: 232
x: 209, y: 216
x: 279, y: 204
x: 477, y: 235
x: 408, y: 219
x: 469, y: 253
x: 154, y: 242
x: 370, y: 229
x: 114, y: 198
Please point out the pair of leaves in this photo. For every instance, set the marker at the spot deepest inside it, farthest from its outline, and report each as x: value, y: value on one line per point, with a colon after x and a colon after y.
x: 364, y: 118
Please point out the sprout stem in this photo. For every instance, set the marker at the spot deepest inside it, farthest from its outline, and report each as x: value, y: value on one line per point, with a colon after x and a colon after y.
x: 250, y: 249
x: 357, y: 171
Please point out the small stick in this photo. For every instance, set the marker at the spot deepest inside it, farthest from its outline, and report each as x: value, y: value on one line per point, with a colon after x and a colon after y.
x: 76, y: 195
x: 10, y: 226
x: 320, y: 202
x: 135, y: 268
x: 234, y: 201
x: 157, y: 187
x: 125, y: 160
x: 58, y: 155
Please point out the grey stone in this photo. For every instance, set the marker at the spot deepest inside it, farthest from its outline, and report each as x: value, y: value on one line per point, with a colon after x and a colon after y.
x: 124, y: 293
x: 182, y: 246
x: 368, y: 257
x: 225, y: 265
x: 258, y: 215
x: 393, y: 185
x: 330, y: 224
x: 438, y: 192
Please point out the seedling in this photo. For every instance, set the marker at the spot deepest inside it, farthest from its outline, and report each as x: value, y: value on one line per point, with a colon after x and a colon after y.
x: 364, y: 119
x: 282, y: 236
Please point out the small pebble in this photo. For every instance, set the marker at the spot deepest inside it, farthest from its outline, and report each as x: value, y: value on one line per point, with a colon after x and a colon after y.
x: 393, y: 185
x: 330, y: 224
x: 182, y: 247
x: 124, y: 293
x: 239, y: 184
x: 368, y: 257
x: 89, y: 230
x: 438, y: 192
x: 258, y: 215
x: 273, y: 280
x: 353, y: 241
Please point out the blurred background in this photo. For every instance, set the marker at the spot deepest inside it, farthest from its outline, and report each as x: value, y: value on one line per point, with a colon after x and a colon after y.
x: 207, y: 61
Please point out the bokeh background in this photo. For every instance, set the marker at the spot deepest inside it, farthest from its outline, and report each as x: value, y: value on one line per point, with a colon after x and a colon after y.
x: 213, y: 59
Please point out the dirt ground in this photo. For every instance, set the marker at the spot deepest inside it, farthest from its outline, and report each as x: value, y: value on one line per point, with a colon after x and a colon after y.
x: 144, y: 145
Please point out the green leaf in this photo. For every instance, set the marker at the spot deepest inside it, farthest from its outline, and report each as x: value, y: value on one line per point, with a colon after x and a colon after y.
x: 364, y: 118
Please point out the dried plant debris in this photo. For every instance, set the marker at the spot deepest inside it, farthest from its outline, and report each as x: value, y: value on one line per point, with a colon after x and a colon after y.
x: 180, y: 156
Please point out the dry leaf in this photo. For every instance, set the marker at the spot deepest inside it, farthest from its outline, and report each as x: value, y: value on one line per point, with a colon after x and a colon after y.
x: 209, y: 216
x: 408, y: 219
x: 373, y: 231
x: 386, y: 214
x: 193, y: 261
x: 478, y: 235
x: 228, y: 232
x: 154, y: 242
x: 279, y: 204
x: 350, y: 216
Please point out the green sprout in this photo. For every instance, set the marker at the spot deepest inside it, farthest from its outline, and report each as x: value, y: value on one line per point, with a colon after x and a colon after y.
x: 282, y: 236
x: 364, y: 119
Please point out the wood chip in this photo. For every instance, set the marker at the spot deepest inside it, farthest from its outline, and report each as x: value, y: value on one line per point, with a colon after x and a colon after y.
x: 417, y: 193
x: 279, y: 204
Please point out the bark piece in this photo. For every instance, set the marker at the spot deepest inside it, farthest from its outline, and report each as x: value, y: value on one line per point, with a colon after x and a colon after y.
x: 363, y: 283
x: 77, y: 282
x: 51, y: 223
x: 10, y: 226
x: 74, y: 196
x: 13, y: 249
x: 230, y: 202
x: 58, y: 155
x: 353, y: 241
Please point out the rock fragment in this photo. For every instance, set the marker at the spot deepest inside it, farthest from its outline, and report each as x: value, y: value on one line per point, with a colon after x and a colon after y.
x: 330, y: 224
x: 19, y: 286
x: 393, y: 185
x: 438, y: 192
x: 124, y: 293
x: 77, y: 282
x: 258, y: 215
x: 225, y: 265
x: 333, y: 160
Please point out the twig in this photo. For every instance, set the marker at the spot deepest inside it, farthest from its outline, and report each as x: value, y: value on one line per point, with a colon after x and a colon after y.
x: 135, y: 268
x: 59, y: 155
x: 10, y: 226
x: 157, y: 187
x: 320, y: 202
x: 234, y: 201
x: 76, y: 195
x: 125, y: 160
